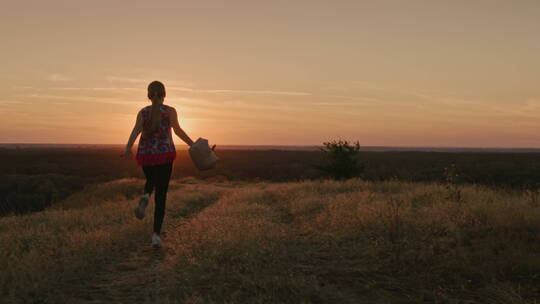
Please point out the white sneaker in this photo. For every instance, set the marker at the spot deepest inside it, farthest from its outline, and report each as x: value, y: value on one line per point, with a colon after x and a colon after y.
x: 156, y: 241
x: 139, y: 211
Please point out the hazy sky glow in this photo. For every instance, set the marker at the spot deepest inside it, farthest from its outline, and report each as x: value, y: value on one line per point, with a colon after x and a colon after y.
x: 392, y: 73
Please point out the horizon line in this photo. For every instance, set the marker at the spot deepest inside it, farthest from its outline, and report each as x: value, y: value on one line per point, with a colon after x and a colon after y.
x: 288, y: 145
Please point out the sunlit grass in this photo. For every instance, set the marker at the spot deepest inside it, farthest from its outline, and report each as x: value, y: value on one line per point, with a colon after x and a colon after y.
x: 313, y: 241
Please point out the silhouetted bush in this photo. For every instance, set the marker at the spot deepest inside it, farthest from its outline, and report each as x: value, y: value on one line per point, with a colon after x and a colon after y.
x: 341, y: 159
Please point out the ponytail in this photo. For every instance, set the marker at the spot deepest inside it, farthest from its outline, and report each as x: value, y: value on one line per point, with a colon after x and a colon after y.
x: 156, y: 93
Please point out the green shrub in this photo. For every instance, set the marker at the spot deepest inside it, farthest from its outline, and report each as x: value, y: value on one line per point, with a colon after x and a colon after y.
x: 341, y: 159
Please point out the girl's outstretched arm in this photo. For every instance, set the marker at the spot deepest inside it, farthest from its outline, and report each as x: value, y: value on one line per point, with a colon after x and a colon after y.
x: 137, y: 129
x: 176, y: 127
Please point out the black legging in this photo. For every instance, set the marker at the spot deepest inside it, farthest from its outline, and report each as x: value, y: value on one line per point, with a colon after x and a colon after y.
x: 158, y: 177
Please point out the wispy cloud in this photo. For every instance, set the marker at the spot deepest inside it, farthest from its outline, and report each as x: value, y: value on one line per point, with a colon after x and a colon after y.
x: 143, y: 80
x: 31, y: 88
x: 96, y: 89
x: 288, y: 93
x: 106, y: 100
x: 233, y: 91
x: 15, y: 102
x: 125, y: 79
x: 447, y: 107
x: 174, y: 88
x: 58, y: 78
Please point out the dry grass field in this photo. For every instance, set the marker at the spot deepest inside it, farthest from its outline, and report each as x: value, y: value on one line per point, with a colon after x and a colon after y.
x: 298, y: 242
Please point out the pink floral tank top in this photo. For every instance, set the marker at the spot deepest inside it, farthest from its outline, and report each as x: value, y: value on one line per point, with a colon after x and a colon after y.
x: 157, y: 148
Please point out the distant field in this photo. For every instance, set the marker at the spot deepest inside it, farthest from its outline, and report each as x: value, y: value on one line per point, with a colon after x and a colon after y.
x: 296, y: 242
x: 32, y: 179
x: 284, y: 148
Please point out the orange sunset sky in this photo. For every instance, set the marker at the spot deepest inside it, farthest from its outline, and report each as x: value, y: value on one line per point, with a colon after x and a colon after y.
x: 392, y: 73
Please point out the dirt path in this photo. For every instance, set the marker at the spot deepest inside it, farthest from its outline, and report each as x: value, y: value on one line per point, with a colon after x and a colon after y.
x: 125, y: 281
x: 135, y: 274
